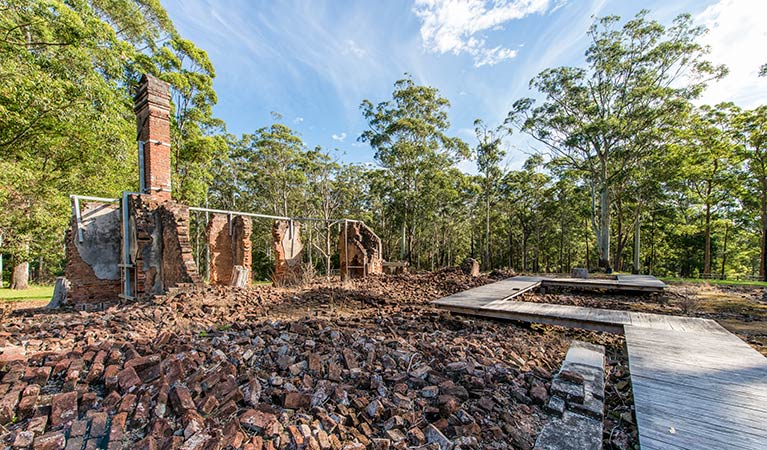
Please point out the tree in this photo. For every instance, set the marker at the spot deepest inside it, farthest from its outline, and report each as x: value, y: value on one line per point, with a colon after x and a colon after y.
x: 752, y: 135
x: 196, y: 135
x: 67, y: 71
x: 605, y: 119
x: 66, y: 112
x: 270, y: 169
x: 524, y: 193
x: 707, y: 152
x: 489, y: 156
x: 408, y: 134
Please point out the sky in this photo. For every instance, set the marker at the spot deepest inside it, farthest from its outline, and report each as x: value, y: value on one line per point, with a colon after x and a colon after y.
x: 314, y: 61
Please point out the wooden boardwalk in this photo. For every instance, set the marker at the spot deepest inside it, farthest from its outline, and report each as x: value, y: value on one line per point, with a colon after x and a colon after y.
x: 695, y: 384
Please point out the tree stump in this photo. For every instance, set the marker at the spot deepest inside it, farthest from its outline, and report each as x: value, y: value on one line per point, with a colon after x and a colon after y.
x: 240, y: 277
x: 470, y: 266
x: 60, y: 291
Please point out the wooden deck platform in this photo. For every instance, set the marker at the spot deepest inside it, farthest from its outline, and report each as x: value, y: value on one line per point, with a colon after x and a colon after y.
x: 644, y: 283
x: 695, y: 384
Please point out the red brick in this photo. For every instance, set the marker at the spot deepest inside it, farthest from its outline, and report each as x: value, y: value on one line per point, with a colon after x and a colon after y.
x: 117, y: 431
x: 63, y: 409
x: 296, y: 400
x: 98, y: 424
x: 37, y: 424
x: 54, y: 440
x: 37, y: 375
x: 23, y: 439
x: 28, y: 401
x: 110, y: 376
x: 255, y: 420
x: 181, y: 398
x: 148, y: 443
x: 127, y: 379
x: 8, y: 405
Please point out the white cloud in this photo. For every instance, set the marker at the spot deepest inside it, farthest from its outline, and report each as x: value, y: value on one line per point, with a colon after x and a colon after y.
x: 339, y: 137
x: 298, y: 119
x: 352, y: 48
x: 455, y: 26
x: 738, y: 39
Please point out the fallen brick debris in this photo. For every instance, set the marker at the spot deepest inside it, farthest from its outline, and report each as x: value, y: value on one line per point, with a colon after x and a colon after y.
x: 368, y: 364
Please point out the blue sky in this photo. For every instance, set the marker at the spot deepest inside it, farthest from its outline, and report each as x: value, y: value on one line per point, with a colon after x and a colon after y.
x: 315, y: 61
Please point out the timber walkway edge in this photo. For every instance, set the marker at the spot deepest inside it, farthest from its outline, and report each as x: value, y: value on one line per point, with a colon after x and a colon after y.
x: 695, y: 384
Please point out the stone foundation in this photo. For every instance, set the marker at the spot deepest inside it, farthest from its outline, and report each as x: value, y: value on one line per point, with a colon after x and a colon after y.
x: 359, y: 247
x: 228, y: 250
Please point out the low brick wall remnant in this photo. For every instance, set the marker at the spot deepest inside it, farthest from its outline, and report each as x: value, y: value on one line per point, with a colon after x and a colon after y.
x: 359, y: 251
x: 288, y: 253
x: 229, y: 246
x: 577, y: 401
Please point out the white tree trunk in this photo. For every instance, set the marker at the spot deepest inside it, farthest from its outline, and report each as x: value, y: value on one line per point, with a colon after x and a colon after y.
x: 603, y: 238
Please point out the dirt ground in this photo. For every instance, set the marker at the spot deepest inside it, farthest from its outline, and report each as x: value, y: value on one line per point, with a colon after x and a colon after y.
x: 740, y: 309
x: 364, y: 364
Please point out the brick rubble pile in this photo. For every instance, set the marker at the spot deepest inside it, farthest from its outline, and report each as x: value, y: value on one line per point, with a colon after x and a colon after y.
x: 363, y: 365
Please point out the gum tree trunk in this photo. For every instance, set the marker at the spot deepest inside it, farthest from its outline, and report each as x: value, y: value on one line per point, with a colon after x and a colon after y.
x: 603, y: 237
x: 20, y: 277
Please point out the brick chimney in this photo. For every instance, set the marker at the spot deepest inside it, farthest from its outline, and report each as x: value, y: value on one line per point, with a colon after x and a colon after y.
x: 152, y: 108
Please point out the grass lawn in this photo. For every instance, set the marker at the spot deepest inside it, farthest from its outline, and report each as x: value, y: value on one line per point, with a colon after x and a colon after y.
x: 33, y: 293
x: 719, y: 282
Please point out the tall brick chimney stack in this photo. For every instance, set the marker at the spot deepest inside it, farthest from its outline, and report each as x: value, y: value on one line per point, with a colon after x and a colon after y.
x: 152, y: 108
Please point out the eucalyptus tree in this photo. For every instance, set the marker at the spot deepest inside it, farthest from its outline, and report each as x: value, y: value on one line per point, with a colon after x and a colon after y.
x: 707, y: 151
x: 409, y: 136
x: 197, y: 137
x: 524, y: 193
x: 489, y: 156
x: 270, y: 165
x: 751, y: 126
x: 606, y: 118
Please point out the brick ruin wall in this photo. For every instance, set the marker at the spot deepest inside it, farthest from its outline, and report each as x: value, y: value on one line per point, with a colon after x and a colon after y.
x: 288, y: 253
x: 92, y: 264
x: 160, y: 253
x: 228, y: 249
x: 161, y: 250
x: 360, y: 246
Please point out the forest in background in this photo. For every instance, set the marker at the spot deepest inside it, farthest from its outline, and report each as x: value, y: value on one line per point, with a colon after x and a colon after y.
x: 629, y: 175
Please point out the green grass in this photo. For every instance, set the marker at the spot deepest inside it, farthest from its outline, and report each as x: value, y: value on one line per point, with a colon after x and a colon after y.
x: 719, y: 282
x: 32, y: 293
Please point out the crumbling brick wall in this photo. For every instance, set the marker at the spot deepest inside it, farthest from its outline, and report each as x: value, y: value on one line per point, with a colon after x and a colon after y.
x: 162, y: 253
x: 288, y: 253
x: 360, y: 251
x: 228, y: 250
x: 92, y: 265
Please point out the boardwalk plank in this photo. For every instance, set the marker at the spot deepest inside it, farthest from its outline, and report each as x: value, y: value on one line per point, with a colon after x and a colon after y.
x: 695, y: 384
